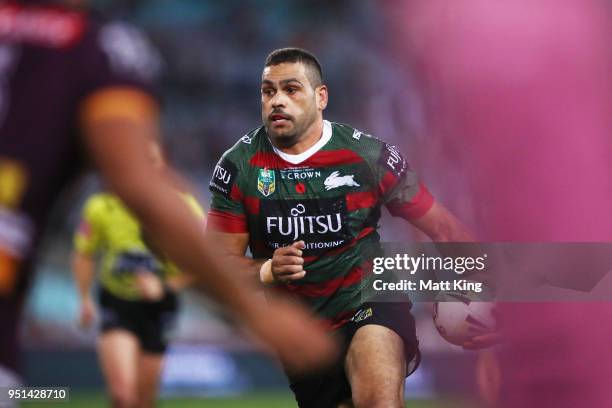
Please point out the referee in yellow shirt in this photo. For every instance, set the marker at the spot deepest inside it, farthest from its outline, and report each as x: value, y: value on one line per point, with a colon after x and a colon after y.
x: 136, y: 297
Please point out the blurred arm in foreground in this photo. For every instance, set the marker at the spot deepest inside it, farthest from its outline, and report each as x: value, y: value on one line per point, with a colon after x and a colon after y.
x: 64, y: 66
x: 523, y: 88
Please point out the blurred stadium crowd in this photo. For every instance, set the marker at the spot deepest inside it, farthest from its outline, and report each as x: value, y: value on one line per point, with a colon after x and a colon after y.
x: 211, y: 54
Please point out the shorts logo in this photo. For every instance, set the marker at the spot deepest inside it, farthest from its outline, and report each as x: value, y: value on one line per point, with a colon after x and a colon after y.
x: 266, y: 182
x: 362, y: 315
x: 335, y: 180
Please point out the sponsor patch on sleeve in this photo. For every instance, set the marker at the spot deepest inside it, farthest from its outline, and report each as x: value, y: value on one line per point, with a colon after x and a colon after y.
x: 223, y: 178
x: 392, y: 159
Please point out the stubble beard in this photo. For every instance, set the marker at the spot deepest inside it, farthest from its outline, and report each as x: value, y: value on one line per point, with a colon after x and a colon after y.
x: 287, y: 140
x: 283, y: 139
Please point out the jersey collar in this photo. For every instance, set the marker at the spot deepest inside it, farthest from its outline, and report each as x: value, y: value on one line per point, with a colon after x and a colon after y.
x: 299, y: 158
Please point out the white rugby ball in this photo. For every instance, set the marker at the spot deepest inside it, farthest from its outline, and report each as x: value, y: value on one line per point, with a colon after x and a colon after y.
x: 458, y: 318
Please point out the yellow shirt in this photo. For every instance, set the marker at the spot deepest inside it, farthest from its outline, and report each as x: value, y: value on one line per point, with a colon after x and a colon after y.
x: 110, y: 231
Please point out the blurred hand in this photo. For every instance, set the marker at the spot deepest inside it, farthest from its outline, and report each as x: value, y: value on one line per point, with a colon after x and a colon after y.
x: 150, y: 286
x: 287, y: 263
x: 485, y: 340
x: 300, y: 341
x: 482, y: 341
x: 87, y: 313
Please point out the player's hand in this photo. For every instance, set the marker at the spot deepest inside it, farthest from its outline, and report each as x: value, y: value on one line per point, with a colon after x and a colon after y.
x: 299, y: 340
x: 288, y: 264
x: 487, y: 339
x: 150, y: 286
x: 87, y: 313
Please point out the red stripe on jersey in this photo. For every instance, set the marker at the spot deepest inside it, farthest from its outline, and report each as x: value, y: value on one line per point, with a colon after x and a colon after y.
x: 387, y: 182
x: 252, y: 204
x: 222, y: 221
x: 357, y: 201
x: 329, y: 287
x: 235, y: 193
x: 340, y: 157
x: 362, y: 234
x: 268, y: 160
x: 323, y: 158
x: 415, y: 208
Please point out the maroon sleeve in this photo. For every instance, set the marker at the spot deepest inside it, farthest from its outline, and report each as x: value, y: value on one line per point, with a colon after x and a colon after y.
x: 402, y: 192
x: 116, y: 54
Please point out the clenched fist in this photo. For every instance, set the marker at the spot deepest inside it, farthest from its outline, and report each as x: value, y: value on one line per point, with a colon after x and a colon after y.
x: 287, y: 263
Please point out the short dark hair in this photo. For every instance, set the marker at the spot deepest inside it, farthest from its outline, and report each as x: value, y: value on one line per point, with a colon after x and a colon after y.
x: 294, y: 55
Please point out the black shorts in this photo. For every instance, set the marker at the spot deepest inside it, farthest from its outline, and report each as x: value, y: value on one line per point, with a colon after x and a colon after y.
x: 330, y: 388
x: 150, y: 322
x: 10, y: 350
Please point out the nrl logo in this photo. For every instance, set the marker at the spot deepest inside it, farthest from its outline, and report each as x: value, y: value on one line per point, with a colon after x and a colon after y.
x: 362, y: 315
x: 335, y: 180
x: 266, y: 182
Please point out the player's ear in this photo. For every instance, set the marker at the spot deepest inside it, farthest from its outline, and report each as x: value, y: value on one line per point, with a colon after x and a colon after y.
x: 321, y: 95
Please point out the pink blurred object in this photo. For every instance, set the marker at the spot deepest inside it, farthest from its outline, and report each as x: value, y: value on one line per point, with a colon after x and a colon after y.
x: 519, y: 99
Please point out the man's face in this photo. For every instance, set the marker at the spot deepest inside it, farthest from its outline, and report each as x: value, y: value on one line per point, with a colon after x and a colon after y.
x: 289, y: 103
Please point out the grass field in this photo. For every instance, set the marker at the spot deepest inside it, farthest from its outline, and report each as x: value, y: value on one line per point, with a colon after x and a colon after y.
x: 257, y: 400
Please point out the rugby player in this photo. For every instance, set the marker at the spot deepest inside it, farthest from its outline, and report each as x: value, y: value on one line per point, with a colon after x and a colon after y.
x: 70, y: 81
x: 305, y: 195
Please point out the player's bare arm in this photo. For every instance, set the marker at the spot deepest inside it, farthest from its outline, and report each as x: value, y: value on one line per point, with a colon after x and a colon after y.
x: 234, y: 246
x: 442, y: 226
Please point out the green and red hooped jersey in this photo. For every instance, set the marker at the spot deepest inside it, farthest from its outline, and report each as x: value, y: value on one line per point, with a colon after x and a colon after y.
x: 329, y: 196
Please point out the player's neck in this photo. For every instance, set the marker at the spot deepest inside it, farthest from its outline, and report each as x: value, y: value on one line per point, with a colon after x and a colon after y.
x: 310, y: 137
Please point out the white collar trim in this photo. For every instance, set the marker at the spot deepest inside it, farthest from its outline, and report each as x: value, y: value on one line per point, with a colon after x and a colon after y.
x: 299, y: 158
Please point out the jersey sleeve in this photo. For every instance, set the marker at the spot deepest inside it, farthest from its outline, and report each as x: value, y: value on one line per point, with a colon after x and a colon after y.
x: 88, y: 236
x: 227, y: 211
x: 116, y: 54
x: 399, y: 186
